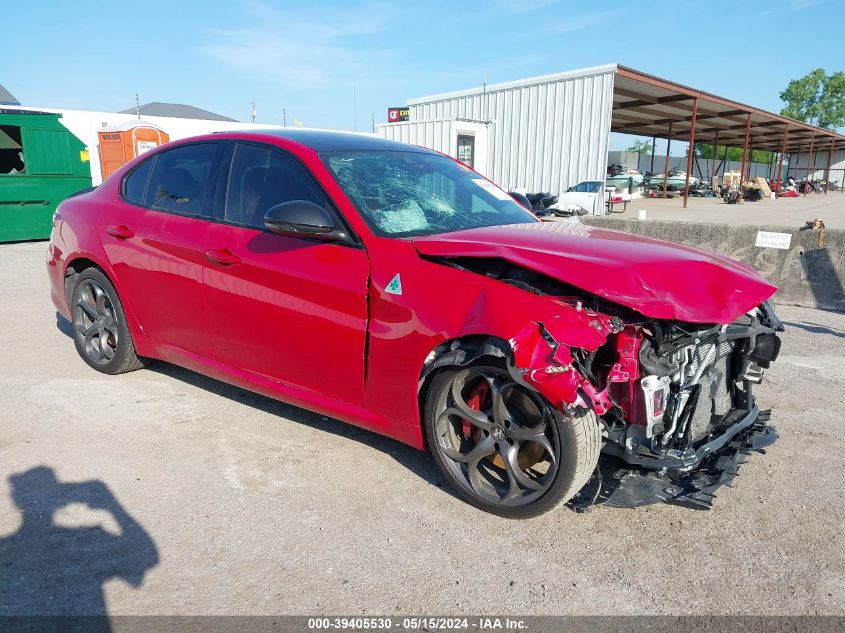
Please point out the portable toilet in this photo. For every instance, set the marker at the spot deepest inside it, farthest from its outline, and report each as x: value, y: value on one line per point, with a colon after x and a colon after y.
x: 121, y: 143
x: 41, y: 164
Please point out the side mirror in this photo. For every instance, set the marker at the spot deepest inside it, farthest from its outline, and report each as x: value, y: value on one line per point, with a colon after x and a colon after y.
x: 521, y: 199
x: 300, y: 218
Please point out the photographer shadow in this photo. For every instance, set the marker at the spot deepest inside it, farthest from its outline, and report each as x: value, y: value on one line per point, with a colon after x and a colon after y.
x: 52, y: 574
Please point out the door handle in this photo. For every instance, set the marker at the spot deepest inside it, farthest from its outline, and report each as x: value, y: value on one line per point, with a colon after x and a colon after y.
x: 222, y: 256
x: 120, y: 232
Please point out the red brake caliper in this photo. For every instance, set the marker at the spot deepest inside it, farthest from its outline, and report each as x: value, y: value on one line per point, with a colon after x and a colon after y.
x: 476, y: 398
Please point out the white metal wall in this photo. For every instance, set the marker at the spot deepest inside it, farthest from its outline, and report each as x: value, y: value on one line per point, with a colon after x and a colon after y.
x: 798, y: 166
x: 546, y: 134
x: 436, y: 135
x: 442, y: 136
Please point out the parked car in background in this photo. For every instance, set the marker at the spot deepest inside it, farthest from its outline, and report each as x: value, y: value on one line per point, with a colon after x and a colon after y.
x: 394, y: 288
x: 584, y: 198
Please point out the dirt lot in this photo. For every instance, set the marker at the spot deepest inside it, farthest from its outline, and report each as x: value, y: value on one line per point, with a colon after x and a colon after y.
x: 242, y: 505
x: 791, y: 212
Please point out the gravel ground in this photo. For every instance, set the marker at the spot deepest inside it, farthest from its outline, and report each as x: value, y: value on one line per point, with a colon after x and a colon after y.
x: 243, y: 505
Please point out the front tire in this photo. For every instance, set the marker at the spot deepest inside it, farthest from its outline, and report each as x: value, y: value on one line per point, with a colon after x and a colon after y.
x: 100, y: 332
x: 503, y: 447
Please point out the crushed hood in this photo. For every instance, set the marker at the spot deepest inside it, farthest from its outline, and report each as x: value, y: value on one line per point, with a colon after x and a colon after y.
x: 658, y: 279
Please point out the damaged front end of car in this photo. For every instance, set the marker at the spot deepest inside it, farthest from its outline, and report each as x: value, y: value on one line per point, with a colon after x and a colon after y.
x: 674, y: 398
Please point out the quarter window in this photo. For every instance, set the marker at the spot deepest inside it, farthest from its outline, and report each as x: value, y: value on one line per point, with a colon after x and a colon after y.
x: 135, y: 185
x: 179, y: 181
x: 260, y: 179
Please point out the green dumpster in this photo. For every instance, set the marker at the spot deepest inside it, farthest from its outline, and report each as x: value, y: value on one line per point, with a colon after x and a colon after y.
x: 41, y: 164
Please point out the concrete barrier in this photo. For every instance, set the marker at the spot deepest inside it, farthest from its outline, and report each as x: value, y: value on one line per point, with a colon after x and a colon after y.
x: 808, y: 273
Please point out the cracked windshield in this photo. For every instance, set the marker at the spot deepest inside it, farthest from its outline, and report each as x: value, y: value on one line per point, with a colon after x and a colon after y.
x: 402, y: 194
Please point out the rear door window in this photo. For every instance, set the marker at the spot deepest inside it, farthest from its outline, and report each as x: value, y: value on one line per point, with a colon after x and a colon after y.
x: 180, y: 179
x: 261, y: 178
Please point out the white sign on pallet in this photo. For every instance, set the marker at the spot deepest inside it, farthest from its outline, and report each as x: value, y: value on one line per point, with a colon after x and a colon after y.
x: 767, y: 239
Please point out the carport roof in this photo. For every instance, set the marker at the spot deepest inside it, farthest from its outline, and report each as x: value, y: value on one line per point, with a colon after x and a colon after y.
x: 647, y: 105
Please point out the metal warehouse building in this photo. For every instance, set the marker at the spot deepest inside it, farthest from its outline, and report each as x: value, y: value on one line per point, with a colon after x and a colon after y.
x: 550, y: 132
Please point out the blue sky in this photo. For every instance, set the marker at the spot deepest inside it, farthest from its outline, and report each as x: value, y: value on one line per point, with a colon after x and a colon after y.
x: 309, y: 57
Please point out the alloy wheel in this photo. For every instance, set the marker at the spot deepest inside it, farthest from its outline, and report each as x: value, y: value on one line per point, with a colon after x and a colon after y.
x: 95, y: 322
x: 497, y: 437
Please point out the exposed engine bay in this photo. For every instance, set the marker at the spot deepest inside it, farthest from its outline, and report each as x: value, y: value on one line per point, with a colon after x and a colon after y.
x: 674, y: 398
x: 688, y: 398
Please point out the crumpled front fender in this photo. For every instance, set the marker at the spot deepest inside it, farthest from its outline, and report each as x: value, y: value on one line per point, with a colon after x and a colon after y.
x: 542, y: 363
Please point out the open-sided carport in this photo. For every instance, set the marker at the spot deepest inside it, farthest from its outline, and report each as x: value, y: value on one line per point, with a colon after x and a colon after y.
x: 550, y: 132
x: 650, y: 106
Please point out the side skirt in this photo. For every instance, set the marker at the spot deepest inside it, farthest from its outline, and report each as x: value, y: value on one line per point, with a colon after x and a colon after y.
x: 312, y: 401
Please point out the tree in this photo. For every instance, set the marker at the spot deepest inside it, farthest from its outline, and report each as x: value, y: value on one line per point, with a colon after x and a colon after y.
x: 640, y: 147
x: 702, y: 150
x: 816, y: 98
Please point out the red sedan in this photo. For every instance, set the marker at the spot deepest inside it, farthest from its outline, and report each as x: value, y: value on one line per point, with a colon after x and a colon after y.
x: 394, y: 288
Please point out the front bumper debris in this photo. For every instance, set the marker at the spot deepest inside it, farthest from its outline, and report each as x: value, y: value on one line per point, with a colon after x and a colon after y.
x: 622, y: 485
x: 735, y: 422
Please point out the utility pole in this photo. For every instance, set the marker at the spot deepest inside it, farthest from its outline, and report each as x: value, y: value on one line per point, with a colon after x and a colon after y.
x: 137, y: 106
x: 373, y: 114
x: 253, y: 110
x: 284, y: 117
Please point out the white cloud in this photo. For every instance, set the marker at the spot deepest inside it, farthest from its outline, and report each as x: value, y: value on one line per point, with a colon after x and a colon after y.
x: 523, y: 6
x: 301, y: 51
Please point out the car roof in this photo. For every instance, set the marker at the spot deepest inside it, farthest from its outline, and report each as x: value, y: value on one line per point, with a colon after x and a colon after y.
x: 331, y: 140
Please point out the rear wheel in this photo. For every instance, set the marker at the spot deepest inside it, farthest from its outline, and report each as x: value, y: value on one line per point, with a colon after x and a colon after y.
x: 503, y: 447
x: 99, y: 325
